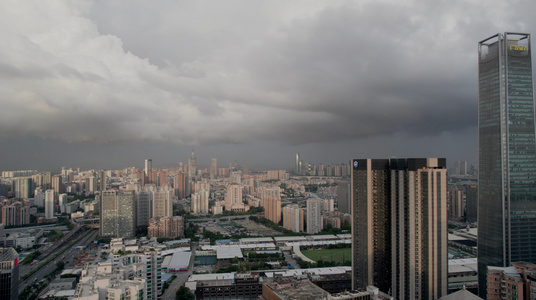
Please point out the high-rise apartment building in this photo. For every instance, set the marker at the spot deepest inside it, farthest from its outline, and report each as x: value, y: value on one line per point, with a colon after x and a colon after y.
x: 168, y: 227
x: 49, y: 204
x: 179, y: 184
x: 233, y: 198
x: 15, y: 214
x: 507, y: 154
x: 199, y: 203
x: 455, y: 203
x: 293, y: 218
x: 102, y: 180
x: 314, y: 215
x: 23, y: 187
x: 272, y: 208
x: 57, y: 184
x: 92, y: 184
x: 62, y: 202
x: 9, y: 274
x: 118, y: 214
x: 399, y: 226
x: 162, y: 202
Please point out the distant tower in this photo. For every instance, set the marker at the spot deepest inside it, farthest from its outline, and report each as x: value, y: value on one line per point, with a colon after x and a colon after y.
x: 49, y: 204
x: 148, y: 167
x: 192, y: 169
x: 57, y: 184
x: 213, y: 168
x: 297, y: 163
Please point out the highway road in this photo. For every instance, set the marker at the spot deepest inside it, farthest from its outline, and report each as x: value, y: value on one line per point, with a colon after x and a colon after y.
x: 68, y: 257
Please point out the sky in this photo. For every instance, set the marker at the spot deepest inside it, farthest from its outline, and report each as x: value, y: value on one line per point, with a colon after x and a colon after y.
x: 106, y: 84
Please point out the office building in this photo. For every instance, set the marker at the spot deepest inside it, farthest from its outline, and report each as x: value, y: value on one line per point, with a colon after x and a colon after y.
x: 118, y: 214
x: 471, y: 203
x: 293, y: 218
x: 507, y: 154
x: 461, y: 168
x: 49, y: 204
x: 343, y: 196
x: 314, y: 215
x: 9, y: 274
x: 399, y: 226
x: 144, y: 207
x: 455, y: 203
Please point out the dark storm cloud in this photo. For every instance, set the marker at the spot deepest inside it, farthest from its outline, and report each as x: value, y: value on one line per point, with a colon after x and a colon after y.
x: 233, y: 72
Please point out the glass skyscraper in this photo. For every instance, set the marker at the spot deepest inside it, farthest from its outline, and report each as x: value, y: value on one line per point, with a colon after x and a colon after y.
x: 507, y: 154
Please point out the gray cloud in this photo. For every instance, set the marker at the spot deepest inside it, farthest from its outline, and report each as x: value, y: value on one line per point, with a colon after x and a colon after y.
x: 233, y: 72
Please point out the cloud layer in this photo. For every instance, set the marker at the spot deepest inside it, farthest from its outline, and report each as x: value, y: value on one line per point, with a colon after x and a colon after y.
x: 225, y: 72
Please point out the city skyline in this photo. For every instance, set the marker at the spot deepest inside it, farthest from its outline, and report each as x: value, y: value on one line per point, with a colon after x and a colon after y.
x: 83, y: 85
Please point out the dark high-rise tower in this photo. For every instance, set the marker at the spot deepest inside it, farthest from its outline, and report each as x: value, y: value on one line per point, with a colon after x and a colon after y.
x: 507, y: 154
x: 399, y: 226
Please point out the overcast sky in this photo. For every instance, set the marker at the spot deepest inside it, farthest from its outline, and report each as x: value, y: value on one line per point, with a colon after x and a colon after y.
x: 106, y: 84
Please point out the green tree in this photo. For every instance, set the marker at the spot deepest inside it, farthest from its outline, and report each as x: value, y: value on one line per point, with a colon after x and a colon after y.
x: 184, y: 293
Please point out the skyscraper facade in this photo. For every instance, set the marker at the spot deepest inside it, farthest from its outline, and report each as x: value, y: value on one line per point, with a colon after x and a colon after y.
x: 213, y: 168
x: 399, y: 226
x: 179, y: 184
x: 49, y: 204
x: 148, y: 166
x: 314, y: 215
x: 293, y: 218
x: 192, y: 167
x: 507, y: 154
x: 9, y: 274
x: 298, y: 163
x: 118, y: 214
